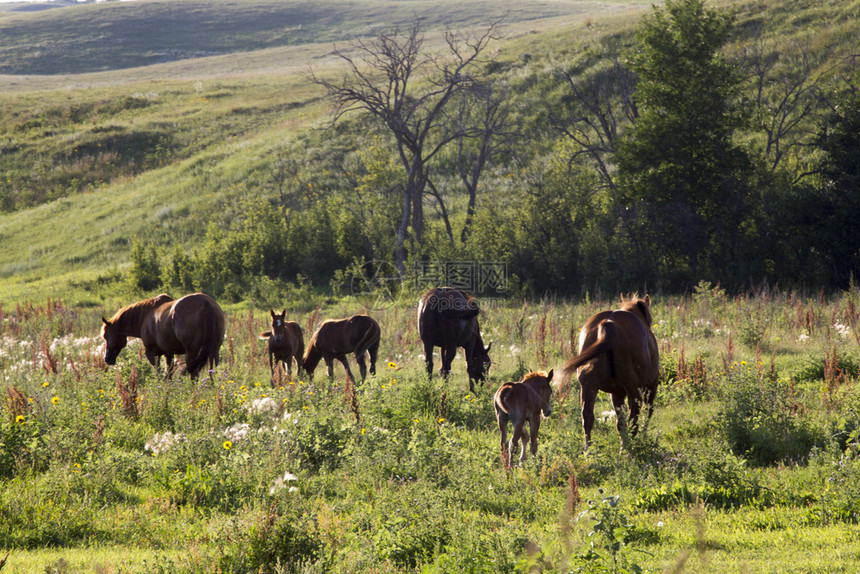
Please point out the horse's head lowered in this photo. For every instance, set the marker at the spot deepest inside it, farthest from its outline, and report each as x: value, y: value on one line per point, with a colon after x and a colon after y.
x: 115, y: 341
x: 478, y: 361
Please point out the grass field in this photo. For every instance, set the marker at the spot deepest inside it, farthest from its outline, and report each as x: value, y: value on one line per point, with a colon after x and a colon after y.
x: 749, y: 463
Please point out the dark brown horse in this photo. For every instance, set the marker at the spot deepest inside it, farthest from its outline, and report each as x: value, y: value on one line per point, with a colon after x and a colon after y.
x: 286, y: 343
x: 192, y: 326
x: 336, y: 338
x: 520, y: 403
x: 618, y: 355
x: 448, y: 318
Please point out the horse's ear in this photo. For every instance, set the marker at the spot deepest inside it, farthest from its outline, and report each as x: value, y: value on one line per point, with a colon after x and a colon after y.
x: 549, y: 375
x: 273, y: 312
x: 105, y: 321
x: 488, y: 347
x: 284, y: 312
x: 648, y: 299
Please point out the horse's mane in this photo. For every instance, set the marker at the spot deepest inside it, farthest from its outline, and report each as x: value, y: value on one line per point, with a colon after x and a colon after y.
x: 132, y: 314
x: 639, y: 305
x: 534, y: 375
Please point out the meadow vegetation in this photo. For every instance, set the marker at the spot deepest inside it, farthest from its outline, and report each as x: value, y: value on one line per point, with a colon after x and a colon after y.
x: 754, y: 443
x: 208, y: 160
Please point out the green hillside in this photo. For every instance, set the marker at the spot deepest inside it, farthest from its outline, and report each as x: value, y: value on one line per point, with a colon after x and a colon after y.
x: 148, y: 121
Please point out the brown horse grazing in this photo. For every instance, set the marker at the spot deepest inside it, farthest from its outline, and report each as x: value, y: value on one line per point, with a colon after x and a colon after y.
x: 337, y: 337
x: 448, y: 318
x: 520, y: 403
x: 617, y: 355
x: 286, y: 343
x: 192, y: 326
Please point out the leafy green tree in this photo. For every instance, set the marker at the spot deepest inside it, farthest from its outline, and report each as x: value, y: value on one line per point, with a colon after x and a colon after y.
x: 840, y: 142
x: 145, y: 272
x: 684, y: 182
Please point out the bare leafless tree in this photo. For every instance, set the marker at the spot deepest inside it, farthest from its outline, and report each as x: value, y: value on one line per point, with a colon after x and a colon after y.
x: 394, y: 80
x: 486, y: 129
x: 785, y: 90
x: 601, y: 105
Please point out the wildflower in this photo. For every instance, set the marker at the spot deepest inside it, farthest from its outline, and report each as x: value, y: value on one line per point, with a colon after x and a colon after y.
x: 362, y: 432
x: 238, y: 431
x: 227, y: 445
x: 55, y: 400
x: 441, y: 421
x: 843, y: 330
x: 20, y: 419
x: 392, y: 365
x: 280, y: 483
x: 46, y: 384
x: 263, y: 406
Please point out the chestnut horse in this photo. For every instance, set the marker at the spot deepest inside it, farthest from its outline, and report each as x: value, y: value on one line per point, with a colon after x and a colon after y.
x: 192, y: 326
x: 448, y: 318
x: 618, y: 355
x: 286, y: 343
x: 335, y: 338
x: 522, y: 402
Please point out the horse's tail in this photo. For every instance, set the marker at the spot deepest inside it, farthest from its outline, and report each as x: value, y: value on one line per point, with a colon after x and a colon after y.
x: 213, y: 336
x: 501, y: 397
x: 607, y: 338
x: 370, y: 337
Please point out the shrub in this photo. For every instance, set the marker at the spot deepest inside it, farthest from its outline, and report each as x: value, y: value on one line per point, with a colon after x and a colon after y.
x: 762, y: 421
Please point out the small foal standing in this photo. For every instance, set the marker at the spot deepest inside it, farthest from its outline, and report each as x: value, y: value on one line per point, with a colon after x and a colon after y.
x: 522, y: 402
x: 286, y: 343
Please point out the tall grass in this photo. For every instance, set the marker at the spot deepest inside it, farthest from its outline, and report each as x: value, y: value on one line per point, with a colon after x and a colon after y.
x: 110, y: 466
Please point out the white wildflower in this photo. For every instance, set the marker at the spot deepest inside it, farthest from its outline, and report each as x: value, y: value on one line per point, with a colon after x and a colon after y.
x: 263, y: 406
x: 163, y: 442
x: 802, y: 338
x: 238, y: 431
x: 843, y: 330
x: 281, y: 483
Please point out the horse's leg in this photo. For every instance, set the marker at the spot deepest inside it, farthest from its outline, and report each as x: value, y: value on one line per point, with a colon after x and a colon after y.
x: 151, y: 357
x: 534, y: 426
x: 345, y: 362
x: 621, y: 417
x: 588, y: 396
x: 428, y: 359
x: 373, y: 350
x: 650, y: 395
x: 448, y: 353
x: 329, y: 367
x: 523, y: 436
x: 168, y: 361
x: 362, y: 366
x: 502, y: 420
x: 634, y: 400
